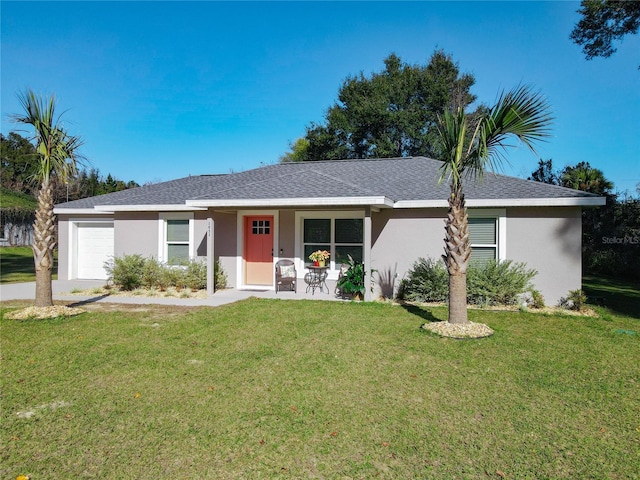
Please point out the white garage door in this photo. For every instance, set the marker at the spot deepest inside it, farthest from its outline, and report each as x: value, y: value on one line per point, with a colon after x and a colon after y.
x: 95, y: 246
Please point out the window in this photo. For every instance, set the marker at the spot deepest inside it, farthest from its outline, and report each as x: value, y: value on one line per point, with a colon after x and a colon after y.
x: 483, y: 233
x: 261, y: 227
x: 177, y: 241
x: 340, y: 236
x: 176, y: 236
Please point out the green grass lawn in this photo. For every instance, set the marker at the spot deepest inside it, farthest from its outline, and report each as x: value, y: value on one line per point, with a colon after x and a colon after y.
x: 16, y: 265
x: 303, y: 389
x: 621, y: 296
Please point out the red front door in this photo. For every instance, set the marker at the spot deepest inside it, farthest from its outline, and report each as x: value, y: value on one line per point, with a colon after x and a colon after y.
x: 258, y: 250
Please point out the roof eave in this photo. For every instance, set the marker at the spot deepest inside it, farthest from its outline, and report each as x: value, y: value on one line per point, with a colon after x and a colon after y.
x: 377, y: 201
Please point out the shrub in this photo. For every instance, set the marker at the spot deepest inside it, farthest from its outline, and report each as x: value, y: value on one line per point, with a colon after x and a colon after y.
x: 497, y: 283
x: 493, y: 283
x: 219, y: 275
x: 151, y: 274
x: 131, y: 272
x: 574, y: 301
x: 537, y: 300
x: 427, y: 281
x: 126, y: 271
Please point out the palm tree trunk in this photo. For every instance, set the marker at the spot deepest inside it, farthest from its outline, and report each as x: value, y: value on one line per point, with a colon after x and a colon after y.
x: 458, y: 251
x: 43, y: 245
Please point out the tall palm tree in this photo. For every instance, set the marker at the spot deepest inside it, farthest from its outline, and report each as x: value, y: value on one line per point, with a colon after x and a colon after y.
x: 57, y: 156
x: 469, y: 147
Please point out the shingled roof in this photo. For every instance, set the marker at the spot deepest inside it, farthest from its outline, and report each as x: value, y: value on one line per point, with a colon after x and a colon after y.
x: 390, y: 182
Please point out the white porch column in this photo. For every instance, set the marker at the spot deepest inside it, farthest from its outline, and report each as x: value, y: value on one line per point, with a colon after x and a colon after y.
x: 368, y: 295
x: 211, y: 284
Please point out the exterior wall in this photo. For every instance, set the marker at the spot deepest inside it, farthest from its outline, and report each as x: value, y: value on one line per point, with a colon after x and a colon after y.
x: 287, y: 235
x: 63, y: 247
x: 399, y: 238
x: 549, y: 240
x: 200, y: 235
x: 136, y: 233
x: 226, y: 244
x: 545, y: 238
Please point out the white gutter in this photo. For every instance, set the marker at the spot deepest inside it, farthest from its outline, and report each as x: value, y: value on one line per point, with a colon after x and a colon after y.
x: 509, y: 202
x: 79, y: 211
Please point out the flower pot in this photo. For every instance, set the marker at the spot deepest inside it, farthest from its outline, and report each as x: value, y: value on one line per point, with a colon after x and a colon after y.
x: 316, y: 263
x: 321, y: 263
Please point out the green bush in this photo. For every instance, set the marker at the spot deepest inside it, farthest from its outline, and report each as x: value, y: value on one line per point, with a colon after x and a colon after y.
x: 497, y: 283
x: 219, y: 276
x: 130, y: 272
x: 126, y: 271
x: 428, y: 281
x: 574, y: 301
x: 151, y: 274
x: 493, y: 283
x: 537, y: 300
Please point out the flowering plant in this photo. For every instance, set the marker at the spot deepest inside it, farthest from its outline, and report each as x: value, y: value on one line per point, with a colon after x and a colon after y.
x: 319, y: 255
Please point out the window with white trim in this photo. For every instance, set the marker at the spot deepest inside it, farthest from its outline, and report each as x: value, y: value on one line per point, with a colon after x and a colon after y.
x: 483, y: 234
x: 176, y: 245
x: 340, y: 236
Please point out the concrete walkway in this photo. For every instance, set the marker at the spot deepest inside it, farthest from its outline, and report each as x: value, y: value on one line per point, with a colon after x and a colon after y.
x: 62, y: 291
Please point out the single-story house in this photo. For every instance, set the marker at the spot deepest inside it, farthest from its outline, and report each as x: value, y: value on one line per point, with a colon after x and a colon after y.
x: 384, y: 212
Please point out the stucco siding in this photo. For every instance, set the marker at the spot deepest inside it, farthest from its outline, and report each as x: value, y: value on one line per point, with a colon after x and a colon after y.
x: 225, y: 243
x: 136, y: 233
x: 63, y: 247
x: 200, y: 235
x: 549, y: 240
x: 399, y: 238
x: 287, y: 232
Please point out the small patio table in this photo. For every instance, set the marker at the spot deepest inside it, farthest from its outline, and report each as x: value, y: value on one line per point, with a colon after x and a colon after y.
x: 316, y: 278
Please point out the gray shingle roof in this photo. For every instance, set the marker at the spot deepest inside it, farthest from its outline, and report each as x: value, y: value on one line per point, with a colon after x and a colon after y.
x: 398, y: 179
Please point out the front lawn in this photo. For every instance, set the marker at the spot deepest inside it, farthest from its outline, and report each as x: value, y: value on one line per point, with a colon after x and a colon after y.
x: 308, y: 389
x: 16, y: 265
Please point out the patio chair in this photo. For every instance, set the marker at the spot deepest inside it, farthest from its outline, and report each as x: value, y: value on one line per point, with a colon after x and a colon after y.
x: 286, y: 275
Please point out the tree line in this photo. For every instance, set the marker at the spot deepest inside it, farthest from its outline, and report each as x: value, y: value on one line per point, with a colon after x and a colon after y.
x: 18, y: 173
x: 611, y: 233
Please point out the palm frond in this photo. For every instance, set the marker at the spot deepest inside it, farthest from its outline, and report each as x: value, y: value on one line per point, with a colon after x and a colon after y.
x: 520, y: 113
x: 452, y: 129
x: 57, y: 150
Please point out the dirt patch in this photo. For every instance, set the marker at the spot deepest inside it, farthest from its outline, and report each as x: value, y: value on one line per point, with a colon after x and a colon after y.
x: 585, y: 312
x: 41, y: 313
x: 141, y: 292
x: 160, y: 311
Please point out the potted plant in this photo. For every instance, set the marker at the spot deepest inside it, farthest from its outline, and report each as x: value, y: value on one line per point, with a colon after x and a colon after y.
x: 319, y: 257
x: 352, y: 281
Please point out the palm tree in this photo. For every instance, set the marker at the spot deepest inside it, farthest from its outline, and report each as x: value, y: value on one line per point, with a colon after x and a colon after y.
x: 584, y: 177
x: 56, y: 156
x: 469, y: 152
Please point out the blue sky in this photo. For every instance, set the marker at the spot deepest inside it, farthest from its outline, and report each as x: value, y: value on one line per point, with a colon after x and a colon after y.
x: 161, y: 90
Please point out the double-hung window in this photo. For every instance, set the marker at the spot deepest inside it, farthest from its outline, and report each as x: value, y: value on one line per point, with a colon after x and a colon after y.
x: 340, y: 235
x: 176, y: 238
x: 483, y: 233
x: 487, y: 233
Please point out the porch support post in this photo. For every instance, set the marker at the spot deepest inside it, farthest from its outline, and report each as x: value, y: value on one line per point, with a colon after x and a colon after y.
x: 368, y: 295
x: 211, y: 284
